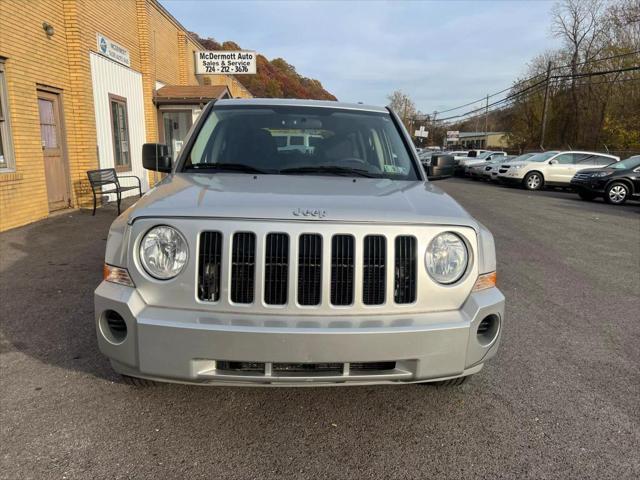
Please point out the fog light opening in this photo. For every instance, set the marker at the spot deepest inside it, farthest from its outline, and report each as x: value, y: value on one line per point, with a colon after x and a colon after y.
x: 113, y: 327
x: 488, y: 329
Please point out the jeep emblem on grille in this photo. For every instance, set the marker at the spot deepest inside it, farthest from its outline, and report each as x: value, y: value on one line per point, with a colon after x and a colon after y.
x: 308, y: 212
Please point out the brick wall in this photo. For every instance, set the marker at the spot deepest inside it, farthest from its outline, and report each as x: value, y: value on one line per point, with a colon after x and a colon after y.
x: 32, y: 59
x: 159, y: 48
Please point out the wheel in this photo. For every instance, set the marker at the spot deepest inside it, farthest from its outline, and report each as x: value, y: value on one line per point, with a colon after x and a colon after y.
x: 533, y: 181
x: 138, y: 382
x: 616, y: 193
x: 453, y: 382
x: 586, y: 196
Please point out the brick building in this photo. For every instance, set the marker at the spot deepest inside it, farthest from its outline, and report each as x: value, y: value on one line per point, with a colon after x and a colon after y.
x: 83, y: 84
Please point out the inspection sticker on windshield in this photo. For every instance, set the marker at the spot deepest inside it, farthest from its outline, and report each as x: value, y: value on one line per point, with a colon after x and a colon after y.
x: 225, y: 61
x: 395, y: 169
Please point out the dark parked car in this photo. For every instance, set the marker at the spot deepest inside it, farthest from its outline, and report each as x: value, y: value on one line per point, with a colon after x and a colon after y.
x: 439, y: 166
x: 616, y: 182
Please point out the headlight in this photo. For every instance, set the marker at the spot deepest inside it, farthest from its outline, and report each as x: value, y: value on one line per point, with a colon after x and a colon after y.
x: 599, y: 174
x: 518, y: 167
x: 163, y: 252
x: 446, y: 258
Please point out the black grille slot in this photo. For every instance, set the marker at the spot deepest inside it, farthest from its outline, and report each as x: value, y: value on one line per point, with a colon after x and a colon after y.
x: 276, y: 269
x: 209, y: 266
x: 307, y: 367
x: 369, y: 366
x: 484, y: 326
x: 342, y: 259
x: 240, y: 366
x: 405, y: 270
x: 374, y: 271
x: 309, y: 269
x: 243, y: 266
x: 116, y: 323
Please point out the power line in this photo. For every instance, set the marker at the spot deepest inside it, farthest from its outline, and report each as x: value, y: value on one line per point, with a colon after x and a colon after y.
x: 595, y: 60
x: 594, y: 74
x: 531, y: 87
x: 507, y: 98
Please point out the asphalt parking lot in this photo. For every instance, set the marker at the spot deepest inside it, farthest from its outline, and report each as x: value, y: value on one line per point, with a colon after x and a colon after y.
x: 561, y: 400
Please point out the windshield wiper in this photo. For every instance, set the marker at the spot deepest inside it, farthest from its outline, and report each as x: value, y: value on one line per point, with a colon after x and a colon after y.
x: 332, y: 169
x: 229, y: 167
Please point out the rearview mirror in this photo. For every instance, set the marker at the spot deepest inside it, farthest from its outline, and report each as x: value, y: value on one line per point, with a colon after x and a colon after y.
x: 553, y: 162
x: 155, y: 156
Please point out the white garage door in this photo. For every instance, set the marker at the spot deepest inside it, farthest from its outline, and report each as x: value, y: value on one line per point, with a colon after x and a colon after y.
x: 119, y: 109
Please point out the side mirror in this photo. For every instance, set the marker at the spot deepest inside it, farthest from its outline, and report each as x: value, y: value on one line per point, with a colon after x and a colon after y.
x: 553, y: 162
x: 155, y: 156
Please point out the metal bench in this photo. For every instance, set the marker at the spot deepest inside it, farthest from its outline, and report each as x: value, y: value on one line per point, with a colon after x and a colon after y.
x: 107, y: 176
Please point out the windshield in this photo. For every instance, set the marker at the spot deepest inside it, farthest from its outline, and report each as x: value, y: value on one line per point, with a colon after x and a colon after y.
x: 629, y: 163
x: 523, y: 157
x: 483, y: 155
x: 541, y: 157
x: 300, y: 140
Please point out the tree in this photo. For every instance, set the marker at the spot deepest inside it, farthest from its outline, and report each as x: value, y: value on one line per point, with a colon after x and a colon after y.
x: 581, y: 27
x: 404, y: 107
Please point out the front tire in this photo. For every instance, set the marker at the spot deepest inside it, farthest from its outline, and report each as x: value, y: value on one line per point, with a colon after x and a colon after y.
x: 533, y: 181
x: 616, y: 193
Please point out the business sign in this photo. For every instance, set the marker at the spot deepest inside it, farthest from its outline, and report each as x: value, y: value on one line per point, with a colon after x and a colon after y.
x: 113, y: 50
x: 453, y: 136
x: 421, y: 133
x: 225, y: 62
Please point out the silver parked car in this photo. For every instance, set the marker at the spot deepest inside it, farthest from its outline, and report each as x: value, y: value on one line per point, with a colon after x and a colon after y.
x: 490, y: 170
x: 250, y: 264
x: 478, y: 170
x: 487, y: 156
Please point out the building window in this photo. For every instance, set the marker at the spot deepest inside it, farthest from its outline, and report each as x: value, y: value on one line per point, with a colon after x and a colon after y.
x: 6, y: 156
x: 120, y: 131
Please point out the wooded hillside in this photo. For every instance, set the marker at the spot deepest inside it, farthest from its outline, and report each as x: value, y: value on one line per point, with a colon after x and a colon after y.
x: 275, y: 78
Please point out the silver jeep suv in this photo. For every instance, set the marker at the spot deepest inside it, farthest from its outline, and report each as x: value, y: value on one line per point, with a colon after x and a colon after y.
x: 255, y: 264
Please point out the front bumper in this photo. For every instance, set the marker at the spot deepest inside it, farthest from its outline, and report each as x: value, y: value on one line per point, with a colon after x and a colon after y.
x: 188, y: 346
x: 509, y: 180
x: 590, y: 186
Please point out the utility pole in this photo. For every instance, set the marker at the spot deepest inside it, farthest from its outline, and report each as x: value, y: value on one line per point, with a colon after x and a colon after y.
x: 545, y: 107
x: 433, y: 127
x: 486, y: 123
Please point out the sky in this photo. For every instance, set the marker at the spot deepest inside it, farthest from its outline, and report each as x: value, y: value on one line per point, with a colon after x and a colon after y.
x: 441, y: 53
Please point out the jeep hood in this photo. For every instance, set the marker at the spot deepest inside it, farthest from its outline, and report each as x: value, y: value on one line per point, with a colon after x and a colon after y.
x: 298, y: 197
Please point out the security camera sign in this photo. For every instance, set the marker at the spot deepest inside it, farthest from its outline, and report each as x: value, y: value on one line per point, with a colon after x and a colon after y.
x: 227, y: 62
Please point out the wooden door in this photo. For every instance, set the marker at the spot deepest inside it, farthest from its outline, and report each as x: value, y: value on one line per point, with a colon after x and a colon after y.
x: 52, y: 138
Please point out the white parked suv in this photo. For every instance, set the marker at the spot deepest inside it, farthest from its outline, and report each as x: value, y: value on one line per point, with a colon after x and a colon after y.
x: 553, y: 168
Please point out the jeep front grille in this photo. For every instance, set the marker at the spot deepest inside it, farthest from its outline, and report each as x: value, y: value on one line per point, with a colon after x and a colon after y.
x: 374, y: 270
x: 342, y: 253
x: 210, y: 256
x: 405, y: 273
x: 280, y: 269
x: 276, y: 269
x: 309, y: 269
x: 243, y: 265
